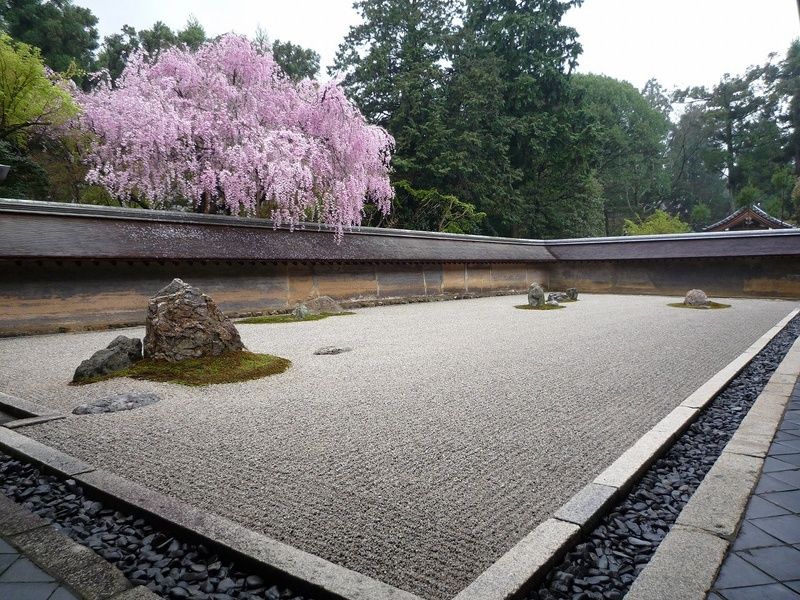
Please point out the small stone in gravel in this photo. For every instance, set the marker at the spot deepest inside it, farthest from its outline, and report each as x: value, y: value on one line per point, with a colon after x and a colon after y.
x: 332, y: 350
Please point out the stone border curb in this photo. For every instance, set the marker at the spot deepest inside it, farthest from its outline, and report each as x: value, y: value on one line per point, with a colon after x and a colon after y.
x: 530, y: 559
x: 688, y: 560
x: 17, y: 423
x: 24, y: 409
x: 87, y: 574
x: 309, y: 570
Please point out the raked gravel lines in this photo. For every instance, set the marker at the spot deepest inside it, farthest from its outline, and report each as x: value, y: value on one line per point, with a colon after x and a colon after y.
x: 449, y: 432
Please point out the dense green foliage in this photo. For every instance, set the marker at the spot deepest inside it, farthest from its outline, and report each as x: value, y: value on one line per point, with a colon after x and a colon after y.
x: 494, y: 131
x: 33, y: 103
x: 630, y: 147
x: 657, y: 223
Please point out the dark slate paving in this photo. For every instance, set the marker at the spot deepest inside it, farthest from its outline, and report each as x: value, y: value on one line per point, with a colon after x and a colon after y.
x: 20, y: 579
x: 764, y: 560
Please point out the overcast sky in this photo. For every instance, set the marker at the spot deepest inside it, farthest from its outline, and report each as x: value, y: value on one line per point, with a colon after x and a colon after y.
x: 680, y: 42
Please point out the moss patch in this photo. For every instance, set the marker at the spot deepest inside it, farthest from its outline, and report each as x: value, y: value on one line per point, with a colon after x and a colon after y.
x: 290, y: 318
x: 709, y: 306
x: 227, y: 368
x: 543, y: 307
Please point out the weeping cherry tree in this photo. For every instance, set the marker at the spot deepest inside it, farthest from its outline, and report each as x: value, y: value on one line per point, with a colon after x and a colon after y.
x: 226, y: 130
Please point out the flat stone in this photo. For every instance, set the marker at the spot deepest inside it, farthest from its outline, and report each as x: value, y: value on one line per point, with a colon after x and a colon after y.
x: 780, y: 562
x: 684, y: 566
x: 117, y: 402
x: 24, y: 571
x: 27, y: 591
x: 719, y: 501
x: 587, y: 506
x: 528, y: 559
x: 750, y: 536
x: 771, y: 591
x: 332, y: 350
x: 786, y: 528
x: 737, y: 572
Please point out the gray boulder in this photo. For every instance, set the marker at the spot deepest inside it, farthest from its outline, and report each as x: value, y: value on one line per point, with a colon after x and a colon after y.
x: 117, y: 402
x: 119, y: 354
x: 557, y: 297
x: 572, y: 293
x: 552, y: 303
x: 184, y: 323
x: 536, y: 295
x: 301, y: 311
x: 323, y: 304
x: 696, y: 298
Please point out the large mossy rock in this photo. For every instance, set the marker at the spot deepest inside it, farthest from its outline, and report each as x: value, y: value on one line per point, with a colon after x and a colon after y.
x: 536, y: 295
x: 182, y: 323
x: 119, y: 354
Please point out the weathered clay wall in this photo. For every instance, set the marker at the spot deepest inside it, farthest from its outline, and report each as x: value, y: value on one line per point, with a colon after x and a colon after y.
x: 72, y: 267
x: 761, y: 277
x: 42, y: 296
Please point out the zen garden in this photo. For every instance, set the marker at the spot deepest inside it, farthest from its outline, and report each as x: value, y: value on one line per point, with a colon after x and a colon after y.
x: 451, y: 300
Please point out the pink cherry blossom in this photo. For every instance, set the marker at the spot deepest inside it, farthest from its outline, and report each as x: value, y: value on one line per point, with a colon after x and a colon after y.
x: 224, y: 126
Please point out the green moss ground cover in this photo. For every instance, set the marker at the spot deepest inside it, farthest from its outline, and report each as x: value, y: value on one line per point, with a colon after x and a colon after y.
x: 289, y: 318
x: 227, y: 368
x: 709, y: 306
x: 543, y: 307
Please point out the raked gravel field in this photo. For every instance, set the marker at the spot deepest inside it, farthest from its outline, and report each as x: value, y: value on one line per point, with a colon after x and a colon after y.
x: 450, y: 431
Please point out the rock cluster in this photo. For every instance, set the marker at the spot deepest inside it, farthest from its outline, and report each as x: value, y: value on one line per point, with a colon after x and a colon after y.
x: 117, y: 402
x: 119, y: 354
x: 605, y: 564
x: 696, y: 298
x: 160, y: 559
x: 536, y: 295
x: 183, y: 323
x: 571, y: 295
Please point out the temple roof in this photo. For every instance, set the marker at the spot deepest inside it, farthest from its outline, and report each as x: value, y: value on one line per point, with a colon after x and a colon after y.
x: 748, y: 217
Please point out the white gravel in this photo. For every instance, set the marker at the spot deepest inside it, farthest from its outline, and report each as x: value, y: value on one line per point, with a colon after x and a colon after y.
x: 450, y: 431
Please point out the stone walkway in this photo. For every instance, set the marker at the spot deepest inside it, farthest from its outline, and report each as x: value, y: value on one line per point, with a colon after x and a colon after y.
x: 20, y: 579
x: 764, y: 561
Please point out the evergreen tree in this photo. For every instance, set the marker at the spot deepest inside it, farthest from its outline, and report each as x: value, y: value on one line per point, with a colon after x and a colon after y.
x: 64, y: 33
x: 554, y: 193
